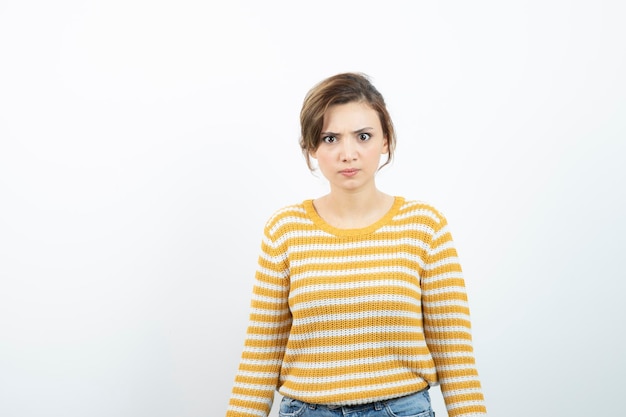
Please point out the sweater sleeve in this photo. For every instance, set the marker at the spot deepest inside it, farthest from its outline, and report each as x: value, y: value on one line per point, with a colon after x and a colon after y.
x: 268, y: 329
x: 447, y: 326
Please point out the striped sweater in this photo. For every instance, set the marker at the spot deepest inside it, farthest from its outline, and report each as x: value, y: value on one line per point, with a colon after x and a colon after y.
x: 351, y: 316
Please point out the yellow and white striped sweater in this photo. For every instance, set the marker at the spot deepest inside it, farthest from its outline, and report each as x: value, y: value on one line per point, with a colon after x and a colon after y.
x: 350, y: 316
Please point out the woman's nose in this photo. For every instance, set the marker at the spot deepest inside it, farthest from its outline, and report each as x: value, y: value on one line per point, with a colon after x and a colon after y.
x: 348, y: 150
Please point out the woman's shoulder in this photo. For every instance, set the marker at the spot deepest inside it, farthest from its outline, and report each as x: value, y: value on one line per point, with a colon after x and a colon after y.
x: 295, y: 212
x: 414, y: 208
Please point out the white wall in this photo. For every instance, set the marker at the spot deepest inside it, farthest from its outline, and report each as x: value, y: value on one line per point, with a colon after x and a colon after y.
x: 143, y: 144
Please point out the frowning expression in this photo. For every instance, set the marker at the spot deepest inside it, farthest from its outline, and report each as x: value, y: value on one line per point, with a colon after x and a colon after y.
x: 352, y: 142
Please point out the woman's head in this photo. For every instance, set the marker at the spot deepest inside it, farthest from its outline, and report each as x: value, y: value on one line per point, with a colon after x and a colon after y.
x: 341, y: 89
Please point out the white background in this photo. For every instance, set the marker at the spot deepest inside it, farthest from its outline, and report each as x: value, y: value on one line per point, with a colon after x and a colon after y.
x: 143, y: 144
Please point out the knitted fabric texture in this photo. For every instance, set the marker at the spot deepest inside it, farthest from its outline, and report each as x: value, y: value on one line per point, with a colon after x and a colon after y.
x: 352, y: 316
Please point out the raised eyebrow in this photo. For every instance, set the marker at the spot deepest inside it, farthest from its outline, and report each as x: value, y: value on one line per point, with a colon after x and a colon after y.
x: 356, y: 132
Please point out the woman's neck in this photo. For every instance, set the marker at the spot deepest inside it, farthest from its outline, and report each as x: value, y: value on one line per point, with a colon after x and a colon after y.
x: 353, y: 210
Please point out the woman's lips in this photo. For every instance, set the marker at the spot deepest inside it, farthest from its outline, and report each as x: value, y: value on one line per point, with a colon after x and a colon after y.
x: 349, y: 172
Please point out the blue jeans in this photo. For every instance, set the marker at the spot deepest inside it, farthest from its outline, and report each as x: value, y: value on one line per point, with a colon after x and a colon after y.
x: 413, y: 405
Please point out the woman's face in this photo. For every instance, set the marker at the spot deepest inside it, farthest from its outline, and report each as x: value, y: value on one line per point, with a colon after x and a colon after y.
x: 351, y: 146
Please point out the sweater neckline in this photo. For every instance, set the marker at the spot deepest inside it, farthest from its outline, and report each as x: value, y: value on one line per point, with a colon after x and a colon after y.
x: 322, y: 224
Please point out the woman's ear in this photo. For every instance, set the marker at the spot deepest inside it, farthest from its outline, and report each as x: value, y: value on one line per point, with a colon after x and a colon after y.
x: 385, y: 148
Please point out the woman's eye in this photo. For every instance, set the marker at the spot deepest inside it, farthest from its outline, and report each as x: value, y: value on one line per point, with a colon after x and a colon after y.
x: 364, y: 136
x: 329, y: 139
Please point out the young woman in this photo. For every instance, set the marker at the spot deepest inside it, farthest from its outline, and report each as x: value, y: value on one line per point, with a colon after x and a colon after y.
x: 359, y: 302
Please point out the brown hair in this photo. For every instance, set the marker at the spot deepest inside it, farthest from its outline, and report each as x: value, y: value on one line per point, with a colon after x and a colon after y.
x: 341, y: 89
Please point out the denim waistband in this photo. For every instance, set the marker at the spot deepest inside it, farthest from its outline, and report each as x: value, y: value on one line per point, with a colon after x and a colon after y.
x: 376, y: 405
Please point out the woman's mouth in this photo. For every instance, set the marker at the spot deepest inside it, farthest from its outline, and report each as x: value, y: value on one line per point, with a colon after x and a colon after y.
x: 349, y: 172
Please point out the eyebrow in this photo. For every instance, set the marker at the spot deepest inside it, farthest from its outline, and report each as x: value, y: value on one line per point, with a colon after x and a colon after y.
x: 356, y: 132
